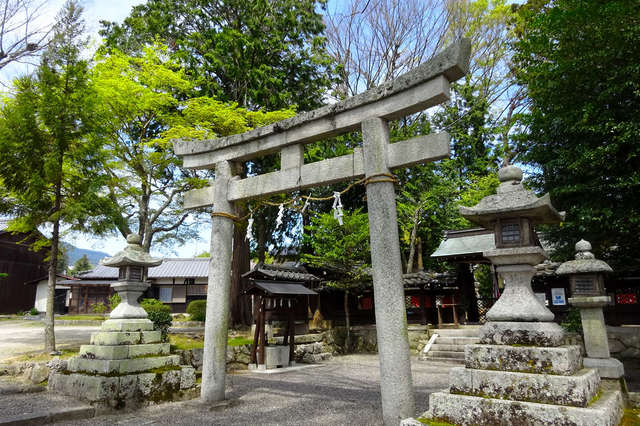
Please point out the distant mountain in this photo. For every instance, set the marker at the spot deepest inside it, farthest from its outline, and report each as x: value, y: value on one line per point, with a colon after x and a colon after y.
x: 74, y: 253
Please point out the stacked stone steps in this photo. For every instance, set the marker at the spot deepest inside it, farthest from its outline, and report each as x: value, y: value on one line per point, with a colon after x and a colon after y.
x: 528, y: 385
x: 449, y: 345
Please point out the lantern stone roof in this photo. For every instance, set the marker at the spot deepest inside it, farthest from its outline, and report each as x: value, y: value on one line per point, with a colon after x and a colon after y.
x: 584, y: 263
x: 132, y: 255
x: 512, y: 200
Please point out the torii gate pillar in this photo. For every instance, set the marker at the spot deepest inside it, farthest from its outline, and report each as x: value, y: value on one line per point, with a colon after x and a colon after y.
x: 396, y: 384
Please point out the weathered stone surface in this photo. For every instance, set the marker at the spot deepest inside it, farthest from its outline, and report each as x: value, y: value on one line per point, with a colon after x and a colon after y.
x: 35, y: 374
x: 411, y: 422
x: 117, y: 338
x: 596, y: 343
x: 577, y: 390
x: 563, y: 360
x: 522, y: 333
x: 187, y: 377
x: 90, y: 388
x: 127, y: 325
x: 121, y: 366
x: 609, y: 368
x: 123, y: 351
x: 473, y: 410
x: 57, y: 364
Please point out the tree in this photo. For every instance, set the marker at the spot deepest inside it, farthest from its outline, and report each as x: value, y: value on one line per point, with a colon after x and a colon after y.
x: 579, y: 63
x: 141, y: 113
x: 258, y: 54
x: 344, y: 249
x: 82, y: 264
x: 22, y: 36
x: 47, y: 162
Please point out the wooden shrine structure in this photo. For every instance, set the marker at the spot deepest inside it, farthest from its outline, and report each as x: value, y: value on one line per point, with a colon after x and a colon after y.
x: 425, y: 86
x: 280, y: 298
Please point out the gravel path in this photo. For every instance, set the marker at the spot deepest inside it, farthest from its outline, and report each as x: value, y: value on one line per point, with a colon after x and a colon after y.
x: 344, y: 391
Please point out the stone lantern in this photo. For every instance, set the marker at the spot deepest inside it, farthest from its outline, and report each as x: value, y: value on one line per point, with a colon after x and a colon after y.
x: 586, y: 275
x: 518, y: 317
x: 522, y: 372
x: 133, y: 263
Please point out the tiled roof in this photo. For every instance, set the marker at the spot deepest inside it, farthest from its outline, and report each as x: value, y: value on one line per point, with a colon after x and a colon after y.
x: 197, y: 267
x: 434, y: 280
x: 288, y: 271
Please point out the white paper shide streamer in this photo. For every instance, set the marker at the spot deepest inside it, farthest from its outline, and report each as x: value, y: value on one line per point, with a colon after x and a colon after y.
x: 249, y: 235
x: 280, y: 214
x: 337, y: 207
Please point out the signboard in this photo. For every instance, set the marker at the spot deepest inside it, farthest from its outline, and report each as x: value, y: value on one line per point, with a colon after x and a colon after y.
x: 557, y: 296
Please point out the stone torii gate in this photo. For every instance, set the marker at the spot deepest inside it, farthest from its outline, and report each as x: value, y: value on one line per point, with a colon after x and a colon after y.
x: 421, y: 88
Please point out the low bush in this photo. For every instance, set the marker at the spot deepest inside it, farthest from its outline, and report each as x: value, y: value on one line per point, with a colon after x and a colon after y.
x: 33, y: 311
x: 114, y: 300
x: 197, y: 309
x: 159, y: 314
x: 99, y: 308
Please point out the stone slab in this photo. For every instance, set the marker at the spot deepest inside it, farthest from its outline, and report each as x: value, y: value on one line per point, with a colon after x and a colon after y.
x: 522, y: 333
x: 108, y: 338
x: 473, y: 410
x: 127, y: 325
x: 577, y: 390
x: 120, y: 366
x: 562, y: 360
x: 123, y: 351
x: 608, y: 368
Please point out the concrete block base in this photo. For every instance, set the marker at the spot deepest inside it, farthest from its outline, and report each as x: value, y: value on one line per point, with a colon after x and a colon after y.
x: 127, y: 390
x: 125, y: 337
x: 562, y: 360
x: 123, y: 351
x: 522, y: 333
x: 120, y: 366
x: 608, y: 368
x: 467, y: 410
x: 127, y: 325
x: 577, y: 390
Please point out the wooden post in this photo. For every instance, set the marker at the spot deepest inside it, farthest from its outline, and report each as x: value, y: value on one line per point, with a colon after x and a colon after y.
x: 423, y: 303
x: 256, y: 332
x: 292, y: 329
x: 262, y: 331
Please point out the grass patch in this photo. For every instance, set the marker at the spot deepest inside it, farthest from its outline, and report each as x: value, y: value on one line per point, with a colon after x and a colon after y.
x: 630, y: 417
x: 184, y: 342
x: 81, y: 317
x: 239, y: 341
x: 434, y: 422
x: 44, y: 357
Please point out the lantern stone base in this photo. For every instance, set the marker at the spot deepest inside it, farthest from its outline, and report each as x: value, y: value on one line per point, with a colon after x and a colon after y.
x: 522, y: 333
x: 476, y: 410
x: 124, y: 366
x: 527, y: 385
x: 608, y: 368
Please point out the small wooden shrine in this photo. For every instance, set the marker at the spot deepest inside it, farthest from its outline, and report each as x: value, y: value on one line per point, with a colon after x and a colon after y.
x: 280, y: 298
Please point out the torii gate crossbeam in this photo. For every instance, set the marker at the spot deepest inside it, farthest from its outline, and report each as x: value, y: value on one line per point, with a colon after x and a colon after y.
x: 423, y: 87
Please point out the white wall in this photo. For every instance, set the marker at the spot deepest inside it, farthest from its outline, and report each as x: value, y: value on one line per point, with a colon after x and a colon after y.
x: 41, y: 296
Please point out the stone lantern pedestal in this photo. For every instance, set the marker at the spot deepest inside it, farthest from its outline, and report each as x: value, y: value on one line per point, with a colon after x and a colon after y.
x: 126, y: 363
x: 521, y: 372
x: 587, y: 287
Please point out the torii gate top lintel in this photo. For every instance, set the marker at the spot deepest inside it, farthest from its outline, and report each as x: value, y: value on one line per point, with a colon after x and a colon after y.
x: 425, y: 86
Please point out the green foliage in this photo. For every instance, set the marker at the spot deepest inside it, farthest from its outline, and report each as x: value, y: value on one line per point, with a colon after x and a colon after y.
x: 482, y: 275
x: 260, y: 53
x: 82, y: 264
x: 572, y: 321
x: 159, y: 314
x: 197, y: 309
x: 579, y: 62
x: 341, y: 248
x: 21, y: 313
x: 99, y: 308
x: 33, y: 311
x: 114, y: 300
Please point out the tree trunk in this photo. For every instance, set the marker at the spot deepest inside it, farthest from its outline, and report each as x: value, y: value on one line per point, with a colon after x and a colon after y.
x: 412, y: 241
x: 420, y: 262
x: 240, y: 309
x: 49, y: 332
x: 347, y: 320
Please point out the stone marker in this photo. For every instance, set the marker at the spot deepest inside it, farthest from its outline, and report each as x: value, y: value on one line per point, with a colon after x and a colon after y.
x: 126, y: 362
x: 587, y: 287
x: 521, y: 373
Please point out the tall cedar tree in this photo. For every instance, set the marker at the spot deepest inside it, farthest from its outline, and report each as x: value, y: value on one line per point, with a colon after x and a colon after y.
x: 579, y: 62
x: 259, y: 54
x: 47, y: 163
